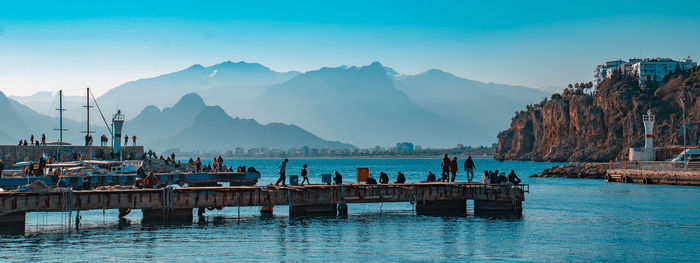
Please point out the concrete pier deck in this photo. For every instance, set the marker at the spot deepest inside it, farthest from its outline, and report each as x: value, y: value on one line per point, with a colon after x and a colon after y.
x: 671, y: 173
x: 177, y: 204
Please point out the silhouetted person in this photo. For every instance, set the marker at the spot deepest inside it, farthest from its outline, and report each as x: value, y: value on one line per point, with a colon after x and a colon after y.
x: 2, y: 167
x: 371, y: 180
x: 383, y: 178
x: 283, y: 173
x: 512, y: 178
x: 133, y: 140
x: 172, y: 156
x: 150, y: 181
x: 304, y: 175
x: 400, y: 178
x: 103, y: 140
x: 486, y: 178
x: 126, y: 140
x: 431, y: 177
x: 469, y: 168
x: 43, y: 139
x: 31, y: 139
x: 338, y: 179
x: 445, y: 165
x: 453, y: 168
x: 221, y: 162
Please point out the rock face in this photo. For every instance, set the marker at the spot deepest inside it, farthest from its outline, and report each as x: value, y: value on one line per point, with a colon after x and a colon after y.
x: 588, y: 171
x: 602, y: 126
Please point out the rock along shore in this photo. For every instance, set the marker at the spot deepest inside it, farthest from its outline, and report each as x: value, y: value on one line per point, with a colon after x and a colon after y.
x: 577, y: 170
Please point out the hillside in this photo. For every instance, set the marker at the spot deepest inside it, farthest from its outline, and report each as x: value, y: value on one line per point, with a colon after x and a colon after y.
x: 359, y: 105
x: 190, y: 125
x: 483, y: 108
x: 576, y: 126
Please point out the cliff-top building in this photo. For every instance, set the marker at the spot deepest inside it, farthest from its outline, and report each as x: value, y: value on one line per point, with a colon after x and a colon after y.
x: 648, y: 69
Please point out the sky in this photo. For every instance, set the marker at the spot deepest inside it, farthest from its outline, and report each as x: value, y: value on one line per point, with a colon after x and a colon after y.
x: 70, y: 45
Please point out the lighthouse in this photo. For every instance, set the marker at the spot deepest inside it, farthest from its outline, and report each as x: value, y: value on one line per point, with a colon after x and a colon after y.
x: 117, y: 123
x: 648, y: 130
x: 647, y: 153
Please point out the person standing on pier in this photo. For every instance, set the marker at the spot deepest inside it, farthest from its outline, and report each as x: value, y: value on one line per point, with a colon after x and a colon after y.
x: 453, y: 168
x: 283, y: 172
x: 221, y: 163
x: 445, y: 165
x: 198, y: 165
x: 133, y: 140
x: 126, y: 139
x: 32, y: 139
x: 304, y: 174
x: 43, y: 139
x: 469, y: 168
x: 2, y: 167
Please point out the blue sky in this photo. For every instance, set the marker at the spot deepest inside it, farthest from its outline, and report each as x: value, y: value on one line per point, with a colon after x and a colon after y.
x: 51, y: 45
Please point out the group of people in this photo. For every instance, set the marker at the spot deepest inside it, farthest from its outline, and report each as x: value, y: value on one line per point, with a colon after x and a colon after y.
x: 337, y: 177
x: 126, y: 140
x: 33, y: 142
x: 450, y: 167
x: 494, y: 177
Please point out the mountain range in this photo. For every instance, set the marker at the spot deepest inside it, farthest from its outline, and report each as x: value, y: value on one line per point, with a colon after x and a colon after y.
x: 192, y: 125
x: 365, y: 106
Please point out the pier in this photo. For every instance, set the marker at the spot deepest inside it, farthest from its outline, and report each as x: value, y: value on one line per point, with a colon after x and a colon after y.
x: 176, y: 205
x: 671, y: 173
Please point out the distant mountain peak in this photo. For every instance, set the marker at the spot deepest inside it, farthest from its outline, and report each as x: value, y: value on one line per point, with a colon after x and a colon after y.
x: 190, y: 100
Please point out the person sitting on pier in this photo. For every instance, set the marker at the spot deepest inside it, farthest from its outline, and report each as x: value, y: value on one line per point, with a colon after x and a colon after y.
x: 486, y: 178
x: 283, y: 172
x: 431, y: 177
x: 2, y: 167
x: 138, y: 183
x: 383, y: 178
x: 494, y: 177
x: 338, y: 179
x: 25, y: 142
x: 512, y: 178
x: 141, y: 172
x: 190, y: 161
x: 86, y: 184
x: 304, y: 174
x: 150, y: 181
x: 400, y: 178
x: 502, y: 177
x: 371, y: 180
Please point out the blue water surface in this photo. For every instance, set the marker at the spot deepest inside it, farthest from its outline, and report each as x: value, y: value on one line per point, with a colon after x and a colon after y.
x: 563, y: 220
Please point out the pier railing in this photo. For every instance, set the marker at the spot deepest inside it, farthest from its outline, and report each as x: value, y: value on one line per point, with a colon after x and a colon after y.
x: 656, y: 166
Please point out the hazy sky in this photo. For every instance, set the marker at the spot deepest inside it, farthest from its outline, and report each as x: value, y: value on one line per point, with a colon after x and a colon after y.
x: 53, y: 45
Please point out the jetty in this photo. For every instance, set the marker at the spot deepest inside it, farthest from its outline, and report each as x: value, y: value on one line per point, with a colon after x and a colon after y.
x: 176, y: 205
x: 671, y: 173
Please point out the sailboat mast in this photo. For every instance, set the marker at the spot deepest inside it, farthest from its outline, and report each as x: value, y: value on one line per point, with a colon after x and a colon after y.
x: 60, y: 122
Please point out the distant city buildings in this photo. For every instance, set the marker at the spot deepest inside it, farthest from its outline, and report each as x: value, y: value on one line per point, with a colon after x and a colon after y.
x: 404, y: 147
x: 647, y: 69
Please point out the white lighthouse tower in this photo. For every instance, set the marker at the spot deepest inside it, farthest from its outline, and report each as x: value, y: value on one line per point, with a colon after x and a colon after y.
x: 647, y: 153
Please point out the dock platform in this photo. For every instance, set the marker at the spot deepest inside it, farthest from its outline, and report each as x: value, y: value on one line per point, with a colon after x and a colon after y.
x: 176, y: 204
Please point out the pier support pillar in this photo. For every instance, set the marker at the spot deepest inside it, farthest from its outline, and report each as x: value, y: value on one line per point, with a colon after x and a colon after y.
x: 313, y: 210
x: 13, y: 223
x: 498, y: 207
x: 266, y: 210
x: 159, y: 216
x: 442, y: 207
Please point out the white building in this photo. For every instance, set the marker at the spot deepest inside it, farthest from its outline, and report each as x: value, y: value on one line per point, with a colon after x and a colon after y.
x: 647, y: 69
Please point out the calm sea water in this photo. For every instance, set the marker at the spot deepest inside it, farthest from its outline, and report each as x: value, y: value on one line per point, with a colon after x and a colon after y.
x: 563, y: 220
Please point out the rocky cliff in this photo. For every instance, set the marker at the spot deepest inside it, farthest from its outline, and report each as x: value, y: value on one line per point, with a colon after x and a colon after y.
x: 600, y: 125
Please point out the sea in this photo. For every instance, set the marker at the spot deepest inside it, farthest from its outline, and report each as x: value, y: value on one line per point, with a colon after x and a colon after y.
x: 563, y: 220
